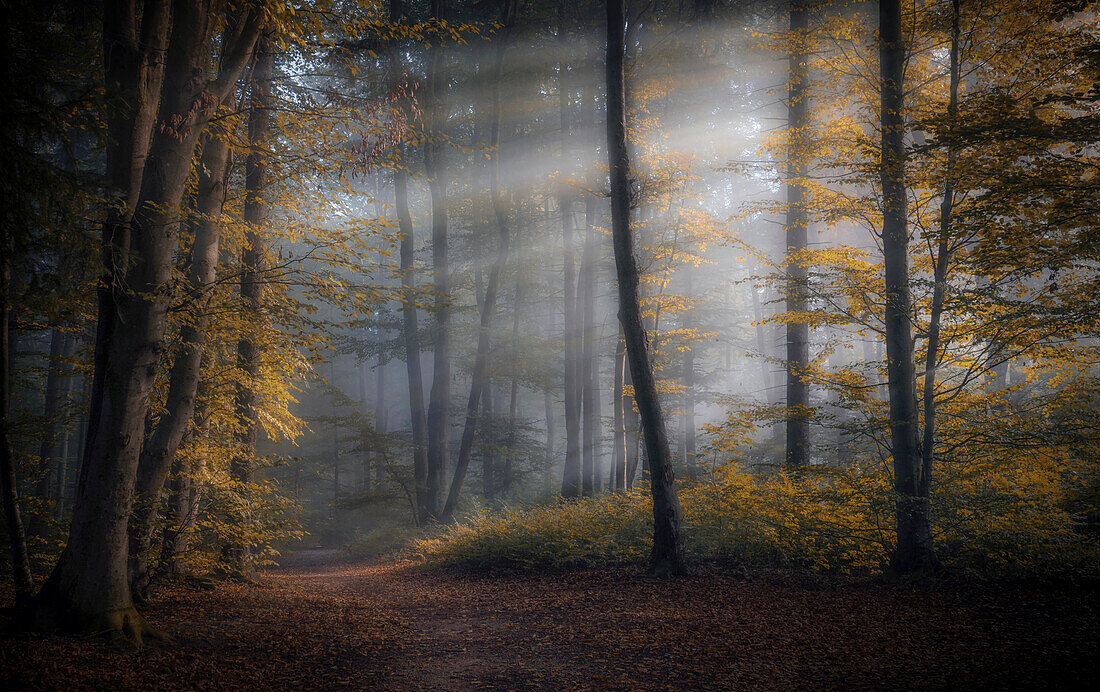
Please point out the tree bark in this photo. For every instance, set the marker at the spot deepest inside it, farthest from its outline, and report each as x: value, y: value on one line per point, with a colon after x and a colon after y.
x: 914, y: 537
x: 439, y: 422
x: 668, y: 552
x: 943, y: 258
x: 798, y: 334
x: 160, y: 448
x: 89, y: 588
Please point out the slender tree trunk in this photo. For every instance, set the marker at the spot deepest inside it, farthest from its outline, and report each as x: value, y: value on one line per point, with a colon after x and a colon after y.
x: 21, y: 570
x: 798, y: 334
x: 238, y: 554
x: 160, y: 448
x: 618, y: 455
x: 589, y: 372
x: 513, y: 400
x: 57, y: 382
x: 572, y: 481
x: 690, y: 461
x: 668, y: 552
x: 410, y: 331
x: 914, y: 547
x: 548, y: 479
x: 181, y: 512
x: 480, y: 377
x: 631, y: 424
x: 439, y: 425
x: 943, y: 258
x: 89, y: 589
x: 380, y: 414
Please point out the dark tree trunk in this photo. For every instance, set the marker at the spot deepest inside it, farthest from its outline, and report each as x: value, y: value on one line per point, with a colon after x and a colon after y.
x: 798, y: 333
x: 631, y: 426
x: 181, y: 511
x: 62, y: 346
x: 943, y: 258
x: 21, y: 570
x: 89, y: 589
x: 238, y: 555
x: 410, y: 329
x: 439, y: 424
x: 160, y: 448
x: 914, y: 546
x: 480, y: 378
x: 668, y: 551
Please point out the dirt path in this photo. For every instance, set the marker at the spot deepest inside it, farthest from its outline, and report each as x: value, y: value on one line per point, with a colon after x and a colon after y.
x: 324, y: 622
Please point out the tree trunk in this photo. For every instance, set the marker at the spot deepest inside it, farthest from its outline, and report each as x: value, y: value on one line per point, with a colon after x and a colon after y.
x: 160, y: 448
x: 668, y: 552
x: 21, y: 570
x: 589, y: 365
x: 798, y: 333
x: 688, y: 418
x: 914, y: 545
x: 513, y: 400
x: 184, y: 495
x: 943, y: 258
x: 89, y: 589
x: 439, y: 425
x: 238, y: 554
x: 58, y: 381
x: 618, y: 455
x: 480, y: 378
x: 572, y: 481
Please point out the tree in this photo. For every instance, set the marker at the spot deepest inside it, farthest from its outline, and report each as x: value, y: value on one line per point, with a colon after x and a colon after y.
x: 89, y: 588
x: 439, y: 401
x: 914, y: 551
x: 797, y: 294
x: 668, y: 551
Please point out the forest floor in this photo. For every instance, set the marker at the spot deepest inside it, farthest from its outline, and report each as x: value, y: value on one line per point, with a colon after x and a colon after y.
x: 322, y: 621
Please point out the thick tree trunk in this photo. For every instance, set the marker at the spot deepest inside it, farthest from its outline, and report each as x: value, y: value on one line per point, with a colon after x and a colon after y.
x: 89, y: 589
x: 480, y: 378
x: 439, y: 421
x: 798, y: 333
x: 668, y: 552
x: 914, y: 547
x: 237, y: 553
x: 160, y: 448
x: 134, y: 64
